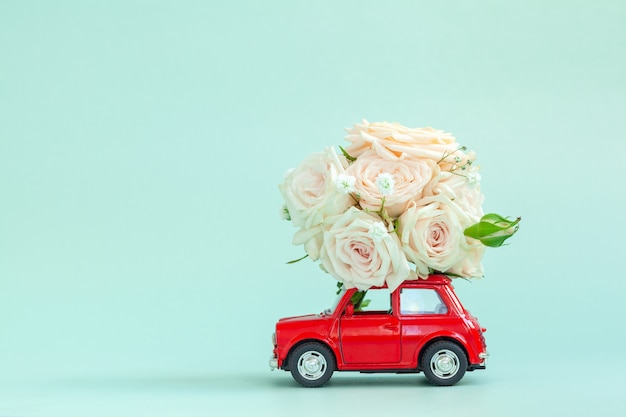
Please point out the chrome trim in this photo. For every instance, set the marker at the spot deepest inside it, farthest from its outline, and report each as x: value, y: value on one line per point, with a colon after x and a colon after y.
x: 445, y: 364
x: 312, y: 365
x: 273, y: 363
x: 484, y: 357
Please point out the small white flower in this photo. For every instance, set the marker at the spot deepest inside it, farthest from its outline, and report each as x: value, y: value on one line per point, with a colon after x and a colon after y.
x: 473, y: 179
x: 284, y: 213
x: 345, y: 183
x: 385, y: 183
x: 378, y: 231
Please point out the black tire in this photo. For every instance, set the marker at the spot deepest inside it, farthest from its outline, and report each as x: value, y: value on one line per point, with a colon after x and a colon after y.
x: 444, y: 363
x: 312, y: 364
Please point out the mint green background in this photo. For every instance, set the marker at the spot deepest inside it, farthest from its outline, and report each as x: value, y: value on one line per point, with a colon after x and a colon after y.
x: 142, y: 259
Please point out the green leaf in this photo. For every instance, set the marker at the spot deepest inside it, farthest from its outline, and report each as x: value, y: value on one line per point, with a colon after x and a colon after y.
x: 492, y: 229
x: 495, y: 241
x: 499, y: 220
x: 347, y: 155
x: 493, y: 217
x: 298, y: 260
x: 482, y: 229
x: 357, y: 299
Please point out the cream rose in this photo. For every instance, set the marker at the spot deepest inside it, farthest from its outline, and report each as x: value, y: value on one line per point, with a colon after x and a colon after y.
x: 358, y: 253
x: 432, y: 234
x: 464, y: 190
x: 311, y: 194
x: 393, y: 141
x: 410, y: 176
x: 470, y: 266
x: 311, y: 238
x: 310, y: 190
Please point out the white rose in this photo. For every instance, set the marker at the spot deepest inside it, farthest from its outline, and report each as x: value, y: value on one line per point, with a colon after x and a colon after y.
x: 311, y: 194
x: 393, y: 141
x: 432, y: 234
x: 464, y: 190
x: 410, y: 176
x: 356, y: 252
x: 310, y: 191
x: 470, y: 266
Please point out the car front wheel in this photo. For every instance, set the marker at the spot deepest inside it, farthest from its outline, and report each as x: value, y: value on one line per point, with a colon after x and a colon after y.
x: 444, y: 363
x: 312, y: 364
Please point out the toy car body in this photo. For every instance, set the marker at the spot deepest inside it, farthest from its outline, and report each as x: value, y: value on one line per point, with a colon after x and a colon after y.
x: 420, y: 327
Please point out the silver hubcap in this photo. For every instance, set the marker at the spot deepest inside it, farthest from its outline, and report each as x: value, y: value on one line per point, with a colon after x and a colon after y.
x: 312, y: 365
x: 444, y: 364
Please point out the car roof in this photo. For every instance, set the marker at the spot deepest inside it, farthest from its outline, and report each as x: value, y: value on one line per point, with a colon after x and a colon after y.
x: 439, y: 279
x: 435, y: 279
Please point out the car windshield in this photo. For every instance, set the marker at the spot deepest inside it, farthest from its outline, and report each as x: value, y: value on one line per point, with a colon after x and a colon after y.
x: 331, y: 310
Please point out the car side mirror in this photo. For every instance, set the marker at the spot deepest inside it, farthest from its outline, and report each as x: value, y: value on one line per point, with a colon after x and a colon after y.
x: 349, y: 309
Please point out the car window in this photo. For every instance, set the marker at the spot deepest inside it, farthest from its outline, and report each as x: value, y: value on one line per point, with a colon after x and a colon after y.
x: 421, y: 301
x: 376, y: 301
x: 338, y: 299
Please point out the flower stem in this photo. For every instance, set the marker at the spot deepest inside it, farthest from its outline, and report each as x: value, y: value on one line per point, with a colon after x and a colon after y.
x: 298, y: 260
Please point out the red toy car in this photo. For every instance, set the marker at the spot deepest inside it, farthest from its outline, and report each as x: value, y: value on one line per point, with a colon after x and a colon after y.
x: 420, y: 327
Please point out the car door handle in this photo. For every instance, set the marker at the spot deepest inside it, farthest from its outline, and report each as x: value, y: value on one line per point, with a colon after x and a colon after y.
x: 392, y: 327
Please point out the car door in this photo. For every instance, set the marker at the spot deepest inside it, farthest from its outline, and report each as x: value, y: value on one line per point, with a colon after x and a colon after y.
x: 423, y: 313
x: 371, y: 335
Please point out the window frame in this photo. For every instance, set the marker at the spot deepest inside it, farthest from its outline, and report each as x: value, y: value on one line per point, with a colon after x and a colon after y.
x: 425, y: 313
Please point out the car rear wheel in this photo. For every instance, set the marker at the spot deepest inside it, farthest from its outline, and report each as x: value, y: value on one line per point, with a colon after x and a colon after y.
x: 444, y: 363
x: 312, y: 364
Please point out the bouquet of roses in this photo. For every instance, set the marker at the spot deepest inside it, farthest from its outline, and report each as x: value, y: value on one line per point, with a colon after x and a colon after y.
x: 396, y: 204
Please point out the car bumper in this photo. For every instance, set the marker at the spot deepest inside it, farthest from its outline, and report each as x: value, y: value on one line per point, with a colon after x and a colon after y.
x: 482, y: 365
x: 273, y: 363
